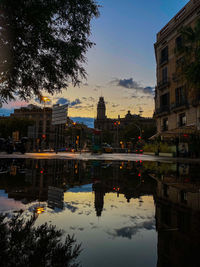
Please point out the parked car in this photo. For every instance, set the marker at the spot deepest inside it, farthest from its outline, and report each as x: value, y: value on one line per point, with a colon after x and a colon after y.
x: 106, y: 148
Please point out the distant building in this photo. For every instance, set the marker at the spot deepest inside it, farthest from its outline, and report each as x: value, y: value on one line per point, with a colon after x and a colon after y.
x: 177, y: 109
x: 42, y: 128
x: 113, y: 125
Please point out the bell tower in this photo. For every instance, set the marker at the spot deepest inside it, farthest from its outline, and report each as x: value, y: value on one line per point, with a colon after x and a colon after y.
x: 101, y: 109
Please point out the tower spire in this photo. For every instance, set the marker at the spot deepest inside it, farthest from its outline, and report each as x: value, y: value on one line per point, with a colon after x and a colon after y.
x: 101, y: 109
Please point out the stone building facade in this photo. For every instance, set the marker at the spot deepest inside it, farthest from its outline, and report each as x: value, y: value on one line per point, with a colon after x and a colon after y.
x: 42, y: 129
x: 106, y: 124
x: 177, y: 108
x: 114, y: 125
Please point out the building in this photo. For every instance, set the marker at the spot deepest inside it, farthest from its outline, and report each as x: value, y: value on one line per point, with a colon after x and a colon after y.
x: 116, y: 125
x: 177, y: 109
x: 177, y: 202
x: 42, y: 131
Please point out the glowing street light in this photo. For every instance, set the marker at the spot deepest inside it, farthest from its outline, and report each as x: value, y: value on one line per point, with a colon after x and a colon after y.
x: 44, y: 99
x: 39, y: 210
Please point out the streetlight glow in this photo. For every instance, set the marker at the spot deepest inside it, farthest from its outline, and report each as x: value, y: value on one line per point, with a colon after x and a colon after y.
x: 45, y: 99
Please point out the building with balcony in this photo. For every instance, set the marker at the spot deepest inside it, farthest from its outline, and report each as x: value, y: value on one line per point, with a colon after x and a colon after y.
x: 177, y: 108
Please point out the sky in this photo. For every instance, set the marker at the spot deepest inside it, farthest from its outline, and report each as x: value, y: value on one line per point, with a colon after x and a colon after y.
x: 121, y: 66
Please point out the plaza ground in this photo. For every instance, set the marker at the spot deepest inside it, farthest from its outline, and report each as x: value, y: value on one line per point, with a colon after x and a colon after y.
x: 90, y: 156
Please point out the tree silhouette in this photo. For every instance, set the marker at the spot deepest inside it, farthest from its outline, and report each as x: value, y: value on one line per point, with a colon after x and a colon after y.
x: 24, y: 245
x: 43, y: 45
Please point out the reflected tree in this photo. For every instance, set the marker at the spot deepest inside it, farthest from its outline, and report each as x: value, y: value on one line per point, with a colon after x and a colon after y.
x: 23, y: 244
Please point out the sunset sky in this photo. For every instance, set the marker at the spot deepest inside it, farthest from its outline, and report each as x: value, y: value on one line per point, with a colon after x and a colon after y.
x: 121, y: 66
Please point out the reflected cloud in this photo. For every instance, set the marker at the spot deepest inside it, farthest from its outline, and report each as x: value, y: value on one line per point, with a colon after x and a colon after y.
x: 70, y: 207
x: 129, y: 231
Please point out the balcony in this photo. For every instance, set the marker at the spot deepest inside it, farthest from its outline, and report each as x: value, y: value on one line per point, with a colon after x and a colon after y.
x: 164, y: 128
x: 163, y: 61
x: 196, y: 101
x: 181, y: 124
x: 183, y: 104
x: 162, y: 110
x: 163, y: 84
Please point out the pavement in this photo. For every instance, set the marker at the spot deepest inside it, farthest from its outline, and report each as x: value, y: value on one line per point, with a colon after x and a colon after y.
x: 106, y: 156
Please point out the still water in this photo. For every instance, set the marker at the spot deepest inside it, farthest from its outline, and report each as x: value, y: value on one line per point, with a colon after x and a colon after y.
x: 141, y: 214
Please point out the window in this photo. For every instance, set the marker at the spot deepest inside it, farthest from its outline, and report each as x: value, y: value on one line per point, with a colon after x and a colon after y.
x: 180, y: 62
x: 164, y: 100
x: 164, y: 55
x: 183, y: 196
x: 180, y: 96
x: 179, y: 42
x: 165, y: 124
x: 165, y: 190
x: 164, y: 75
x: 166, y: 215
x: 182, y: 119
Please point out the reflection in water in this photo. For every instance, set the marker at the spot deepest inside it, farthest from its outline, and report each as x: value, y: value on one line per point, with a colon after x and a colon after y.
x: 111, y: 207
x: 178, y: 216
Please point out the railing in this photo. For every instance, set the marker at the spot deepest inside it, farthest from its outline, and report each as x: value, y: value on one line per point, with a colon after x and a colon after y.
x: 163, y: 84
x: 164, y: 128
x: 196, y: 101
x: 181, y: 124
x: 164, y: 60
x: 162, y: 109
x: 182, y: 103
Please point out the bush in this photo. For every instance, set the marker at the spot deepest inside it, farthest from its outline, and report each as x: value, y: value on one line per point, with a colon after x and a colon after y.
x: 150, y: 148
x: 24, y: 245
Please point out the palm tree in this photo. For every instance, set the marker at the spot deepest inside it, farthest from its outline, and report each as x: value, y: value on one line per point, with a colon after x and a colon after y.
x: 188, y: 45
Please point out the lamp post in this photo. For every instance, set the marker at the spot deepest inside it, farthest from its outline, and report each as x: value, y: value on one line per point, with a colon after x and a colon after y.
x: 44, y: 99
x: 117, y: 123
x: 138, y: 128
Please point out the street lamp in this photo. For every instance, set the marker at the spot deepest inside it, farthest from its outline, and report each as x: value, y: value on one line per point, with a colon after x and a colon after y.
x: 138, y: 128
x: 117, y: 123
x: 44, y: 99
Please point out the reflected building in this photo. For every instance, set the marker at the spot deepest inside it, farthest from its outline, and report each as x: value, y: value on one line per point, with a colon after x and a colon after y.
x: 125, y: 178
x: 99, y: 198
x: 178, y: 219
x: 31, y: 178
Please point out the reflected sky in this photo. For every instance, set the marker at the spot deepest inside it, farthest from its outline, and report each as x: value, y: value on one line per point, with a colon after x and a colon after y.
x: 123, y: 234
x: 123, y: 213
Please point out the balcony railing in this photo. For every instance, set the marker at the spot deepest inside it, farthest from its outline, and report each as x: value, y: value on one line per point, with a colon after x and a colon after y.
x: 163, y: 84
x: 162, y: 109
x: 196, y: 101
x: 163, y: 61
x: 179, y: 104
x: 164, y: 128
x: 181, y: 124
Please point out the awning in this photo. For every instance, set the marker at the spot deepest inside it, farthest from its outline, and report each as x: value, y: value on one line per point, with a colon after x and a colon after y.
x: 188, y: 129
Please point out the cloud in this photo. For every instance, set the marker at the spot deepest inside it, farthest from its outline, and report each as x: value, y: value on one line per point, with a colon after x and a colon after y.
x: 71, y: 207
x: 130, y: 231
x: 132, y: 84
x: 89, y: 98
x: 77, y: 101
x: 149, y: 90
x: 115, y: 105
x: 62, y: 101
x: 128, y: 83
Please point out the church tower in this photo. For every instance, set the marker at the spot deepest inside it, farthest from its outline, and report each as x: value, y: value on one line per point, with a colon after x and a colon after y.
x: 101, y: 109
